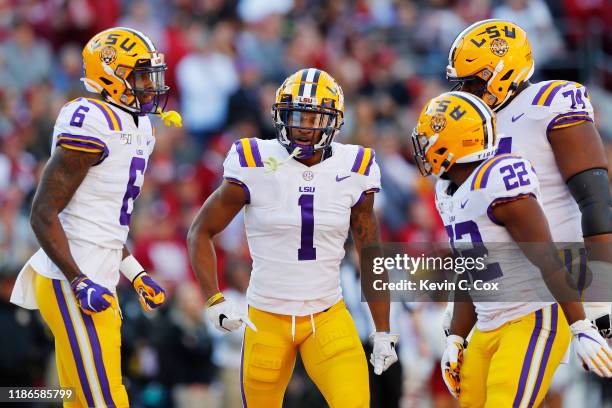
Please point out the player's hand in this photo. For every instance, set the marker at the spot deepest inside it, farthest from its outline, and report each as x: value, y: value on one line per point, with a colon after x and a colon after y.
x: 451, y: 363
x: 383, y: 353
x: 150, y: 294
x: 592, y: 350
x: 91, y: 297
x: 226, y: 318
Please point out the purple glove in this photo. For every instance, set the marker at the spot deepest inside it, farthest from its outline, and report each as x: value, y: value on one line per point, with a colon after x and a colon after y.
x: 92, y: 298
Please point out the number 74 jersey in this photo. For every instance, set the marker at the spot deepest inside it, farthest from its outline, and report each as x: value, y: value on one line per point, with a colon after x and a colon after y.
x: 469, y: 221
x: 297, y: 220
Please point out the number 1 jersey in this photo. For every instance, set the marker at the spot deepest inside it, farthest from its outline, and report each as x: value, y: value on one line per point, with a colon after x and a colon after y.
x: 297, y: 220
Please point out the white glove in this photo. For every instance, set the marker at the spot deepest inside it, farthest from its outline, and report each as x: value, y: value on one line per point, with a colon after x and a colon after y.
x: 383, y: 353
x: 451, y: 363
x: 591, y: 348
x: 225, y: 317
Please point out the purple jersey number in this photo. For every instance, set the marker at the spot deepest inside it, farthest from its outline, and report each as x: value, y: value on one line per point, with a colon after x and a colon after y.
x: 307, y: 251
x: 514, y: 178
x: 78, y: 116
x: 493, y: 270
x: 138, y: 165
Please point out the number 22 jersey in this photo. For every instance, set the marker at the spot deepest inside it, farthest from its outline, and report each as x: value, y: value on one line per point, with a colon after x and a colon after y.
x: 468, y: 218
x: 297, y: 220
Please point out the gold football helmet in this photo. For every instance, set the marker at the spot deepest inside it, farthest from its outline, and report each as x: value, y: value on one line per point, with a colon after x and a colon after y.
x: 455, y: 127
x: 124, y: 66
x: 490, y: 59
x: 308, y: 111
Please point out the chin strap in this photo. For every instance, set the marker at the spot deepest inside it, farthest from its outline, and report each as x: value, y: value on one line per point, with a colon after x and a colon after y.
x: 271, y: 164
x: 170, y: 118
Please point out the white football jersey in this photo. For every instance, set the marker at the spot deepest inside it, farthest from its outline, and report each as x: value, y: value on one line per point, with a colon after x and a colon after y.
x: 468, y: 218
x: 96, y: 220
x: 523, y: 126
x: 297, y: 220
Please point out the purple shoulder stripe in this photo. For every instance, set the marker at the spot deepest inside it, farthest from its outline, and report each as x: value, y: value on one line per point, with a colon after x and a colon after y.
x: 358, y: 159
x: 552, y: 94
x: 88, y: 142
x: 255, y: 151
x: 240, y: 151
x: 541, y: 92
x: 372, y: 155
x: 498, y: 159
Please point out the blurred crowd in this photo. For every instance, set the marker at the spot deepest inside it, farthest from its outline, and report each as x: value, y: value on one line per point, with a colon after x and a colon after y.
x: 226, y: 58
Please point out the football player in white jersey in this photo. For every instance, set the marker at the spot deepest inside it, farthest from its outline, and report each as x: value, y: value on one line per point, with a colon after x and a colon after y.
x: 486, y: 198
x: 301, y: 194
x: 81, y: 214
x: 549, y: 123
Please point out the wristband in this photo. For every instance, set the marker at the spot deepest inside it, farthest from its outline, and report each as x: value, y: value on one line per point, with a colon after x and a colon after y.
x: 130, y: 268
x: 211, y: 300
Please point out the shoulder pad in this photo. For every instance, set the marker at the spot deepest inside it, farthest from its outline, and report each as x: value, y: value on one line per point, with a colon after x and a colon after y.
x: 247, y: 152
x: 506, y: 175
x: 565, y: 97
x: 364, y: 157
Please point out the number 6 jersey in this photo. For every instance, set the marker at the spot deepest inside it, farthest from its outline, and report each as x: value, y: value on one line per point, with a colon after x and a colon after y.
x: 297, y: 220
x: 96, y: 220
x: 468, y: 218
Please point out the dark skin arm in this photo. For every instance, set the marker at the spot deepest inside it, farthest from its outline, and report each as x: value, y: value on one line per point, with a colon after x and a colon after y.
x: 61, y: 177
x: 578, y: 148
x: 526, y: 223
x: 216, y: 213
x: 364, y: 227
x: 464, y: 317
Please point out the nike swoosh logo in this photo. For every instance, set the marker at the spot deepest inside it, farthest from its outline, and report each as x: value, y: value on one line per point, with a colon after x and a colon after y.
x: 89, y: 292
x: 338, y: 178
x: 221, y: 318
x: 515, y: 118
x: 470, y: 60
x: 464, y: 203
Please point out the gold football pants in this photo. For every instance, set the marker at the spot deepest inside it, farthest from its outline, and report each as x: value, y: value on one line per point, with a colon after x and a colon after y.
x: 329, y: 347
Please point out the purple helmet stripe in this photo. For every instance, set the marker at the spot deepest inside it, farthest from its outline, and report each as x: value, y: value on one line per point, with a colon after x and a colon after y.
x: 72, y: 339
x: 358, y: 159
x: 528, y: 357
x: 546, y: 354
x: 96, y: 350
